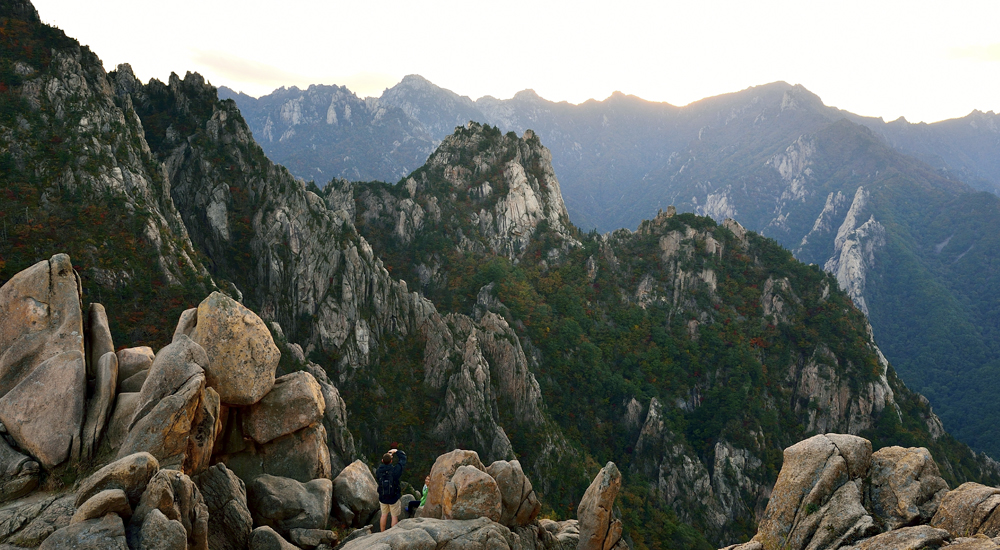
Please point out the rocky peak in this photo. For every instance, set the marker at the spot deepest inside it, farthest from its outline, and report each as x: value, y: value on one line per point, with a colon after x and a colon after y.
x: 20, y: 9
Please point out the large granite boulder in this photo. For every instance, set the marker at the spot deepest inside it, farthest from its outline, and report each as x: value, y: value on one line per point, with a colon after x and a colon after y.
x: 295, y: 402
x: 205, y: 429
x: 905, y: 487
x: 166, y: 431
x: 302, y: 455
x: 242, y: 355
x: 286, y: 504
x: 43, y: 372
x: 107, y: 533
x: 599, y: 530
x: 969, y: 510
x: 520, y: 504
x: 355, y: 494
x: 98, y: 337
x: 158, y: 532
x: 817, y: 495
x: 131, y: 474
x: 471, y: 493
x: 229, y: 519
x: 441, y: 472
x: 173, y: 367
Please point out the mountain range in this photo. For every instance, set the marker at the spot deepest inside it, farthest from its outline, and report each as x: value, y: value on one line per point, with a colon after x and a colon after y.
x: 459, y: 307
x: 903, y: 214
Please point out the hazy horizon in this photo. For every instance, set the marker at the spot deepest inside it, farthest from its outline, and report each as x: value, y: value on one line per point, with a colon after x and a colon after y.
x: 915, y: 59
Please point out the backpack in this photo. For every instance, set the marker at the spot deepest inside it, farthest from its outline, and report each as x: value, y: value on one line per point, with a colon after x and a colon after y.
x: 386, y: 485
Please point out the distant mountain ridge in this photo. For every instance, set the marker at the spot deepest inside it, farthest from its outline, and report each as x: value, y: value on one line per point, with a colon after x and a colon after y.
x: 872, y: 202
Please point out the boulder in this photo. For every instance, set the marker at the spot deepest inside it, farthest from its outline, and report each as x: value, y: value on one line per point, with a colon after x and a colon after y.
x: 42, y: 363
x: 157, y: 532
x: 918, y: 537
x: 205, y: 428
x: 812, y: 473
x: 44, y: 413
x: 131, y: 474
x: 471, y: 493
x: 174, y: 367
x: 339, y: 438
x: 265, y: 538
x: 165, y: 432
x: 229, y: 519
x: 905, y: 487
x: 107, y: 533
x: 968, y: 510
x: 99, y: 339
x: 355, y: 493
x: 441, y: 472
x: 121, y: 417
x: 134, y: 360
x: 302, y: 456
x: 19, y: 475
x: 177, y: 498
x: 242, y: 355
x: 599, y: 530
x: 110, y: 501
x: 565, y: 533
x: 295, y: 402
x: 520, y: 504
x: 186, y: 322
x: 99, y: 406
x: 286, y: 504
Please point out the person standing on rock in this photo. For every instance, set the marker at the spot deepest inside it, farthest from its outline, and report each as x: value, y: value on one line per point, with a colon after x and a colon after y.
x: 388, y: 475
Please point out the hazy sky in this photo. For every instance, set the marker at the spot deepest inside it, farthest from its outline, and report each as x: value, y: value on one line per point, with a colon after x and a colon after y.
x: 926, y: 61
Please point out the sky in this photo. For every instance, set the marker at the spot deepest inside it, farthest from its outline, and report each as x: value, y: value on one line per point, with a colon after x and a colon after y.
x: 926, y: 61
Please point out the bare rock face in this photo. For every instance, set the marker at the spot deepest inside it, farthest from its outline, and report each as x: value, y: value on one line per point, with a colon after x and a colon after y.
x: 229, y: 519
x: 205, y: 429
x: 131, y: 474
x: 242, y: 355
x: 121, y: 417
x: 520, y: 504
x: 295, y: 402
x: 969, y: 510
x: 599, y: 530
x: 905, y: 487
x: 286, y: 504
x: 107, y: 533
x: 471, y: 493
x: 165, y: 432
x: 817, y: 494
x: 441, y: 473
x: 355, y: 493
x: 42, y: 363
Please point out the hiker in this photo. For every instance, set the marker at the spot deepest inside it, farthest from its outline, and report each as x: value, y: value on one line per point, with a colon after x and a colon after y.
x: 388, y: 475
x: 423, y: 495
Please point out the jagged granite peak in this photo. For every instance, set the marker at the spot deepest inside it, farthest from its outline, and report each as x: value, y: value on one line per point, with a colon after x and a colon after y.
x: 20, y: 9
x: 439, y: 110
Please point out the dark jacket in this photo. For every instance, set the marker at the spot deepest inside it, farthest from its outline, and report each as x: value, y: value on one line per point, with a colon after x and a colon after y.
x: 396, y: 471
